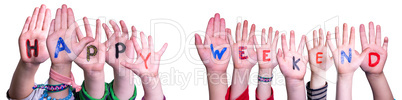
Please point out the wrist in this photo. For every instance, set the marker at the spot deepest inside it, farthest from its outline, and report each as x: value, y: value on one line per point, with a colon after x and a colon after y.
x: 265, y: 72
x: 374, y: 75
x: 317, y: 80
x: 63, y: 69
x: 28, y: 66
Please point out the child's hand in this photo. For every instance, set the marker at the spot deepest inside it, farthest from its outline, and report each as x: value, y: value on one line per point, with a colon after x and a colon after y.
x: 64, y: 30
x: 291, y: 62
x: 243, y: 52
x: 118, y: 42
x: 217, y: 58
x: 319, y: 58
x: 35, y: 32
x: 147, y: 63
x: 92, y: 57
x: 266, y: 53
x: 376, y: 65
x: 346, y: 58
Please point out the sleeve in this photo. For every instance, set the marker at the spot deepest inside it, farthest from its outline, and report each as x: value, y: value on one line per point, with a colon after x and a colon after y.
x: 83, y: 94
x: 35, y: 95
x: 112, y: 96
x: 317, y: 94
x: 270, y: 98
x: 243, y: 96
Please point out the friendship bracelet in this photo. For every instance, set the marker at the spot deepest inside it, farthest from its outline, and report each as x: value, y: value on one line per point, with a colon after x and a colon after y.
x: 65, y: 80
x: 47, y: 97
x: 265, y: 79
x: 51, y: 88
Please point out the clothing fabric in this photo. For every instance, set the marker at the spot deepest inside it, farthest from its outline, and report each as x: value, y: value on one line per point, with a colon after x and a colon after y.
x: 317, y: 94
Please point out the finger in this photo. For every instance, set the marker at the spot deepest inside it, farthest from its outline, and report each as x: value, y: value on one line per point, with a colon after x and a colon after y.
x: 107, y: 31
x: 301, y: 45
x: 133, y: 32
x: 280, y: 56
x: 364, y: 53
x: 238, y: 35
x: 150, y: 43
x: 371, y: 33
x: 136, y: 46
x: 26, y: 25
x: 217, y: 24
x: 143, y: 41
x: 385, y: 45
x: 116, y: 28
x: 255, y: 42
x: 51, y: 29
x: 162, y: 50
x: 245, y: 28
x: 98, y: 30
x: 229, y: 35
x: 345, y: 34
x: 292, y: 41
x: 263, y: 42
x: 124, y: 29
x: 352, y: 37
x: 329, y: 42
x: 269, y: 41
x: 252, y: 34
x: 275, y: 41
x: 198, y: 41
x: 378, y: 35
x: 337, y: 37
x: 77, y: 33
x: 127, y: 65
x: 47, y: 20
x: 42, y: 13
x: 363, y: 38
x: 321, y: 37
x: 307, y: 44
x: 64, y: 16
x: 222, y: 34
x: 315, y: 40
x: 33, y: 19
x: 210, y: 27
x: 87, y: 27
x: 70, y: 17
x: 57, y: 22
x: 284, y: 44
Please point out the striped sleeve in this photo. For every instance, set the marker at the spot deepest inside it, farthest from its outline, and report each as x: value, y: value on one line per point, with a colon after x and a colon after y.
x: 317, y: 94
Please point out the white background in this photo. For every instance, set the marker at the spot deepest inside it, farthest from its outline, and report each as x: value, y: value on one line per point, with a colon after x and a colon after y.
x: 184, y: 18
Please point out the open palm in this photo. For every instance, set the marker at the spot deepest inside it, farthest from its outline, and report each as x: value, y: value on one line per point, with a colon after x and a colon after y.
x: 35, y: 31
x: 248, y: 57
x: 291, y: 62
x: 319, y: 59
x: 268, y: 61
x: 215, y: 37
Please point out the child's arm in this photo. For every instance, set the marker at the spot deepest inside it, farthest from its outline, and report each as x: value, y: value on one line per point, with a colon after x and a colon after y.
x: 266, y: 54
x: 244, y: 58
x: 35, y: 32
x: 373, y: 64
x: 347, y: 60
x: 215, y: 54
x: 119, y: 42
x: 146, y: 66
x: 320, y: 62
x: 61, y: 49
x: 293, y: 66
x: 92, y: 60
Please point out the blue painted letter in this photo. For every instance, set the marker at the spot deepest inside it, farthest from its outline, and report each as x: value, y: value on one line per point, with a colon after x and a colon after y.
x: 58, y: 48
x: 343, y: 55
x: 216, y: 52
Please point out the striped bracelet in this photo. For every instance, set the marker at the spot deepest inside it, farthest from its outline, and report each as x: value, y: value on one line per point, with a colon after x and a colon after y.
x: 265, y: 79
x: 51, y: 88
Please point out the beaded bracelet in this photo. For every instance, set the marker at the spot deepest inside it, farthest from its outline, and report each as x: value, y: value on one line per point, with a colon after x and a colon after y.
x: 265, y: 79
x: 51, y: 88
x: 47, y: 97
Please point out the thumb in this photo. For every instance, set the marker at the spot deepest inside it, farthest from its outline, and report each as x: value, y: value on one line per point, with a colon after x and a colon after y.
x: 365, y: 53
x: 127, y: 65
x: 83, y: 42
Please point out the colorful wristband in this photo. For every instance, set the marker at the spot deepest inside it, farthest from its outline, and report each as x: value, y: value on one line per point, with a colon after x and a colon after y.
x: 265, y: 79
x: 51, y: 88
x: 47, y: 97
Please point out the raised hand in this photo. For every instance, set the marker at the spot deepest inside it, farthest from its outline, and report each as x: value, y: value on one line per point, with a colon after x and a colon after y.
x: 32, y: 40
x: 346, y: 58
x: 243, y: 52
x: 373, y: 62
x: 92, y: 60
x: 291, y: 62
x: 63, y: 35
x: 215, y: 52
x: 147, y: 63
x: 266, y: 53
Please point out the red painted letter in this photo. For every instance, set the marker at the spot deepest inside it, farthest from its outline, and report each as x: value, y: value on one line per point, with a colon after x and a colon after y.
x: 241, y: 52
x: 317, y: 56
x: 376, y: 62
x: 265, y: 55
x: 145, y: 59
